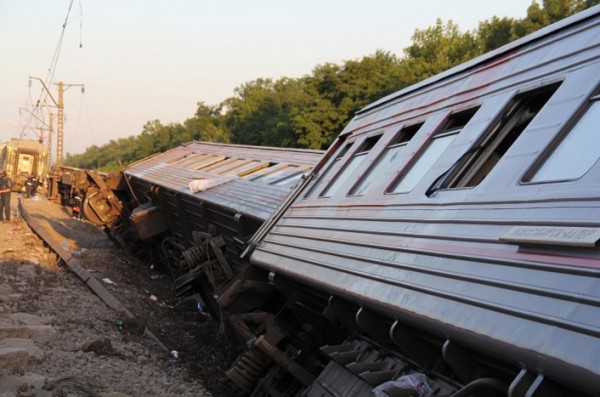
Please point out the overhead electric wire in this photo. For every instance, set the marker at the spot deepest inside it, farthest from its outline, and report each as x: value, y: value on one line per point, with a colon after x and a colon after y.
x: 52, y: 69
x: 80, y: 25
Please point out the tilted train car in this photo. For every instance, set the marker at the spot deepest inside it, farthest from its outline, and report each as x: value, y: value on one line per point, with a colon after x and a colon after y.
x: 197, y: 205
x: 451, y: 232
x: 22, y: 158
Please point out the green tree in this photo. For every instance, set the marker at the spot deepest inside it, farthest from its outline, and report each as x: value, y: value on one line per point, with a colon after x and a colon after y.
x: 438, y: 48
x: 311, y: 111
x: 205, y: 125
x: 336, y: 92
x: 262, y: 111
x: 550, y: 11
x: 247, y: 113
x: 494, y: 33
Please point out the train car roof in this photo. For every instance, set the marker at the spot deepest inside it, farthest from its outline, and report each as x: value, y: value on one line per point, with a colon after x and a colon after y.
x: 487, y: 57
x: 301, y: 156
x: 251, y: 180
x: 24, y: 143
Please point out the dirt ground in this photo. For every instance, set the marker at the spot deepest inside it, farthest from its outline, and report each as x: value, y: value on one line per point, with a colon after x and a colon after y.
x: 94, y: 345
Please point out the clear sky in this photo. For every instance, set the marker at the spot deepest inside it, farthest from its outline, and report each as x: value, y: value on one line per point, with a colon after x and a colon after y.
x: 142, y: 60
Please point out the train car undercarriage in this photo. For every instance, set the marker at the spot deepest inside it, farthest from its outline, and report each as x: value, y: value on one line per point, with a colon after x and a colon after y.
x: 303, y: 342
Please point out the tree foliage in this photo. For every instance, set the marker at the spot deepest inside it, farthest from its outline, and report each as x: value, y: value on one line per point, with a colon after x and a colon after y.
x: 309, y: 112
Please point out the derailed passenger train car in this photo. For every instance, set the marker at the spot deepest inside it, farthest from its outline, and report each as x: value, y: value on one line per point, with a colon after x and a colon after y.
x: 447, y: 243
x: 196, y: 206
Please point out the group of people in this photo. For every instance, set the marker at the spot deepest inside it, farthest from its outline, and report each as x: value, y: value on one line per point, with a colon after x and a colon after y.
x: 31, y: 186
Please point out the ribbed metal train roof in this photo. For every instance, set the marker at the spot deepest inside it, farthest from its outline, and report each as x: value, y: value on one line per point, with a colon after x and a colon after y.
x: 254, y: 194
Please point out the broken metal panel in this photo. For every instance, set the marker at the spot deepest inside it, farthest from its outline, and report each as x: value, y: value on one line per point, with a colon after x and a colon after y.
x: 148, y: 221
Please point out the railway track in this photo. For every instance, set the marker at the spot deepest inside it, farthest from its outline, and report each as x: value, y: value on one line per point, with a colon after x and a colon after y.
x: 52, y: 326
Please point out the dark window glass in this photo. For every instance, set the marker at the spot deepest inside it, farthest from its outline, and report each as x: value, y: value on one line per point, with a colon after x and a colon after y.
x: 350, y: 166
x: 390, y: 158
x: 483, y: 157
x: 439, y: 143
x: 330, y: 166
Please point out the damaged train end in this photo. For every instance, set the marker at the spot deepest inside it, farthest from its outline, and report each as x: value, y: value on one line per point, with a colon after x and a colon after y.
x: 445, y: 245
x: 95, y: 196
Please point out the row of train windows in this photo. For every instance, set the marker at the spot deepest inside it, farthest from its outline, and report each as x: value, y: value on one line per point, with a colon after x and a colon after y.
x: 569, y: 159
x: 270, y: 173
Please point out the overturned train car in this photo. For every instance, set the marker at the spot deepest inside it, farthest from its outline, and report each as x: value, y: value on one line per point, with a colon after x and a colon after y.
x: 193, y: 208
x: 447, y: 243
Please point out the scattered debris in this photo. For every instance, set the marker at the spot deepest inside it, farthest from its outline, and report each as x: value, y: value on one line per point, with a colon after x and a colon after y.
x: 416, y: 382
x: 73, y: 385
x: 57, y: 295
x: 135, y: 326
x: 120, y: 325
x: 126, y: 262
x: 102, y: 347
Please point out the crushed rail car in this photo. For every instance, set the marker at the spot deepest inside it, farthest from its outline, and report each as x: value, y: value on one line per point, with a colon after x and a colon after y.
x: 447, y: 241
x: 93, y: 195
x: 194, y: 207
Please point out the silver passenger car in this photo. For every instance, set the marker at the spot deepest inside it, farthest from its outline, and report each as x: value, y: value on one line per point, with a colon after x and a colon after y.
x: 451, y: 231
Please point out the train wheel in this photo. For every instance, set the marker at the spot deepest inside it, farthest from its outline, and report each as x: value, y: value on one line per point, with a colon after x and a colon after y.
x: 99, y: 209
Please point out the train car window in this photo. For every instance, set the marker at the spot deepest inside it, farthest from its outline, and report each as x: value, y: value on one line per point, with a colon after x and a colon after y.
x: 330, y: 165
x: 485, y: 154
x: 343, y: 151
x: 188, y: 159
x: 209, y: 161
x: 350, y: 166
x: 389, y: 158
x: 438, y: 145
x: 289, y: 181
x: 252, y: 168
x: 576, y: 153
x: 273, y: 177
x: 226, y: 166
x: 176, y: 158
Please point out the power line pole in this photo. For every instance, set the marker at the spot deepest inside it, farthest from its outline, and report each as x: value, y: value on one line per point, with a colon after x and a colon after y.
x: 50, y: 131
x: 60, y: 117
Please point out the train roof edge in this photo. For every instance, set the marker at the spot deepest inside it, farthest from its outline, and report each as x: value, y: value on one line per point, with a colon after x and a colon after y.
x: 507, y: 48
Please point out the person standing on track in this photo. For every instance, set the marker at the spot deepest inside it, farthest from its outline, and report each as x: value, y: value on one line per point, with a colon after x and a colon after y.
x: 5, y: 190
